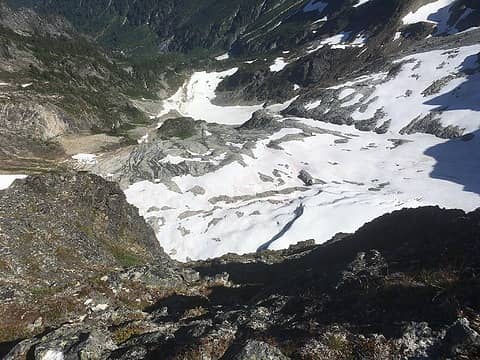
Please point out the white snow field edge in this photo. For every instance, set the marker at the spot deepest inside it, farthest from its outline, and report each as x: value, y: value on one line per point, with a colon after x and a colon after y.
x: 194, y: 98
x: 364, y: 178
x: 437, y: 12
x: 7, y: 180
x: 403, y: 99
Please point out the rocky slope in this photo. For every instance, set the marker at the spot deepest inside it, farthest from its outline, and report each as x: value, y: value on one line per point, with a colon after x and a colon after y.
x: 403, y: 286
x: 166, y: 25
x: 59, y: 230
x: 344, y: 41
x: 54, y: 81
x: 250, y: 27
x: 323, y: 116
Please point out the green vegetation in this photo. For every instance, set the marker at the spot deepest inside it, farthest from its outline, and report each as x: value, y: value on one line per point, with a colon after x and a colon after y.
x: 122, y: 334
x: 439, y: 278
x: 338, y: 344
x: 145, y: 28
x: 77, y: 76
x: 125, y: 257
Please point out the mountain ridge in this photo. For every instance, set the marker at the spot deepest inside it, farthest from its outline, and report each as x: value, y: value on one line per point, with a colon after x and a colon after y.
x: 265, y: 179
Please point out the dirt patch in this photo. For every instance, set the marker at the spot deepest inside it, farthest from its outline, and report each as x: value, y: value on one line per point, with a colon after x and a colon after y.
x: 90, y: 144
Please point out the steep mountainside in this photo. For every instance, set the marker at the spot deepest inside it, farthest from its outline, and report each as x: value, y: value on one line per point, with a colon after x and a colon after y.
x: 250, y: 179
x: 75, y: 86
x: 246, y: 27
x: 54, y: 82
x: 353, y: 108
x: 168, y: 25
x: 59, y: 230
x: 404, y: 286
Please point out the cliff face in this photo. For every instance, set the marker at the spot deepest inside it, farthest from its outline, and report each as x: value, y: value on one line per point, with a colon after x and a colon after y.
x: 82, y: 275
x: 74, y: 253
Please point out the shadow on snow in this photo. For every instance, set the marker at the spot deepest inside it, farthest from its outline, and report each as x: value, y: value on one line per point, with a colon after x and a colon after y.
x: 458, y: 160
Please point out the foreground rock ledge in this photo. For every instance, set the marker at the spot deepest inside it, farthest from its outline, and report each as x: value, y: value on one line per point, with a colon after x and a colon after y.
x: 83, y: 277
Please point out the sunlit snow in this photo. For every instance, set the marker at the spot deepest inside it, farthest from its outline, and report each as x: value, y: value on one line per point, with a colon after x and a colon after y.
x: 194, y: 99
x: 360, y: 3
x: 7, y: 180
x: 361, y: 175
x: 278, y: 65
x: 437, y: 12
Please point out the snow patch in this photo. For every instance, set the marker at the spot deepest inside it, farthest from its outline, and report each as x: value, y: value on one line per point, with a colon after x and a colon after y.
x: 342, y: 40
x: 222, y: 57
x: 313, y: 105
x: 85, y: 159
x: 437, y: 12
x: 345, y: 92
x: 7, y: 180
x: 278, y: 65
x: 194, y: 99
x: 360, y: 3
x: 100, y: 307
x: 52, y: 355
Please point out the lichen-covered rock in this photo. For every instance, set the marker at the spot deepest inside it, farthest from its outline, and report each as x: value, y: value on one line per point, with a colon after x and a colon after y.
x: 62, y: 235
x: 258, y: 350
x: 182, y: 127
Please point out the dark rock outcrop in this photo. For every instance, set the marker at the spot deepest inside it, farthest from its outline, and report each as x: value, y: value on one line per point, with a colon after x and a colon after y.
x: 307, y: 179
x: 430, y: 124
x: 183, y: 128
x: 261, y: 120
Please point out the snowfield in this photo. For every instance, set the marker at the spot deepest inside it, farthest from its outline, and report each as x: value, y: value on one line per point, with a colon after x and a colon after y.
x: 7, y: 180
x: 261, y: 203
x: 194, y: 98
x: 365, y: 178
x: 406, y: 97
x: 436, y: 12
x: 85, y: 159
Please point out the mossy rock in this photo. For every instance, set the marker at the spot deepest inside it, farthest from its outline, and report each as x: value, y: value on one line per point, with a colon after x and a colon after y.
x: 182, y: 127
